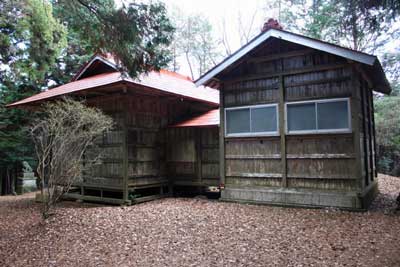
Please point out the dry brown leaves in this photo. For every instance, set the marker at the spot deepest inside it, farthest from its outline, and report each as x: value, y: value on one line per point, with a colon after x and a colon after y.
x: 198, y: 232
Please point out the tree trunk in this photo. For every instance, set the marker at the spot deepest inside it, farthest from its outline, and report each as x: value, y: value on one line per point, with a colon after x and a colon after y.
x: 190, y: 65
x: 354, y: 25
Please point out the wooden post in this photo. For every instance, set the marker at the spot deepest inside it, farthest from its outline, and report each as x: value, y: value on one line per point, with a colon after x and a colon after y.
x: 282, y: 129
x: 221, y: 138
x: 364, y: 112
x: 374, y: 133
x: 355, y: 124
x: 125, y: 150
x: 198, y: 145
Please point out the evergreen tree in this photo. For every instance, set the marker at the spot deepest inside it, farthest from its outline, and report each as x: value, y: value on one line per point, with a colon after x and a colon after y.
x: 30, y: 41
x: 44, y: 42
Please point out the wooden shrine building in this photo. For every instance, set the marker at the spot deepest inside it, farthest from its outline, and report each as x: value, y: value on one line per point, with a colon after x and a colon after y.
x: 296, y: 126
x: 297, y: 122
x: 151, y: 148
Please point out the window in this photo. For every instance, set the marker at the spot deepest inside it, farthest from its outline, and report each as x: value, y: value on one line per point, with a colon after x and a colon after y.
x: 321, y: 116
x: 251, y: 120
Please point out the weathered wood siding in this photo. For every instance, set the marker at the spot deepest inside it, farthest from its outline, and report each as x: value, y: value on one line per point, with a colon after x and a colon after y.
x: 192, y: 156
x: 145, y: 116
x: 108, y: 174
x: 364, y: 99
x: 280, y: 72
x: 134, y: 152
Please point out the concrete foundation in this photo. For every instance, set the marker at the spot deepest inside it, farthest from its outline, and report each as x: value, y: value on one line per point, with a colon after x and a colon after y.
x: 302, y: 197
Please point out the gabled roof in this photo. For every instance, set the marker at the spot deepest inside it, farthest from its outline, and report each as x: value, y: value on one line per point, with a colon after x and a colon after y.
x: 163, y: 82
x: 208, y: 119
x: 372, y: 62
x: 107, y: 60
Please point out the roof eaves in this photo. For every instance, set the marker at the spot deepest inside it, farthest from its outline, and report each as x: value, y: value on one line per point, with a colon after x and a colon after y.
x: 26, y: 101
x: 210, y: 102
x: 290, y: 37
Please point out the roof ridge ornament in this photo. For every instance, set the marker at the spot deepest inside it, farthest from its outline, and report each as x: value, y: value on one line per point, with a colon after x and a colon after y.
x: 271, y: 24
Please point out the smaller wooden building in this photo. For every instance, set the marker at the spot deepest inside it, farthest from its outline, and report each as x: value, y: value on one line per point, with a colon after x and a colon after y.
x: 297, y: 122
x: 163, y: 137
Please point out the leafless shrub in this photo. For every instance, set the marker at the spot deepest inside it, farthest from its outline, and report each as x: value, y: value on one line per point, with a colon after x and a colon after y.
x: 61, y: 138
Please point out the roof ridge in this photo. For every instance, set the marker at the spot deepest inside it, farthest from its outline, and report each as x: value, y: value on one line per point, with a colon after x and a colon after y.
x: 175, y: 74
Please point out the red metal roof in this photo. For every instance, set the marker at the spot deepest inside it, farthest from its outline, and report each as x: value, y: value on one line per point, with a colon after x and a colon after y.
x: 210, y: 118
x: 163, y: 81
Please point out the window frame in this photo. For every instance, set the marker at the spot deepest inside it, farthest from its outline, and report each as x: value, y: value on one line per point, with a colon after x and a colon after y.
x: 252, y: 134
x: 319, y: 131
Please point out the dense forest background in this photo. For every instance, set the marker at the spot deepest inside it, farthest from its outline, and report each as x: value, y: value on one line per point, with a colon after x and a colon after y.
x: 43, y: 43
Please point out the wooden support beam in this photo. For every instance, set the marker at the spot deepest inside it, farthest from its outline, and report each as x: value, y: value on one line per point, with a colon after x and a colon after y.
x: 290, y: 72
x: 146, y: 198
x: 355, y: 124
x: 125, y: 152
x: 282, y: 133
x: 364, y: 114
x: 221, y: 137
x: 281, y: 55
x: 95, y: 199
x: 255, y: 175
x: 373, y: 132
x: 252, y: 157
x: 197, y: 134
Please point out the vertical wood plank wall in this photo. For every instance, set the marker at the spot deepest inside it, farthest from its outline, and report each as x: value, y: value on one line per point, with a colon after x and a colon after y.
x: 134, y: 153
x: 331, y: 162
x: 109, y: 174
x: 193, y: 156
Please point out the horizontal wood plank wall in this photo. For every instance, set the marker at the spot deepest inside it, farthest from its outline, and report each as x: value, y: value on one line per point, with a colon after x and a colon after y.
x: 109, y: 173
x: 314, y: 161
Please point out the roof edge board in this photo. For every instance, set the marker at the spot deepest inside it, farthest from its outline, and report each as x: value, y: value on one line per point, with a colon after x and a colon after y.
x: 100, y: 58
x: 290, y: 37
x: 240, y: 53
x: 329, y: 48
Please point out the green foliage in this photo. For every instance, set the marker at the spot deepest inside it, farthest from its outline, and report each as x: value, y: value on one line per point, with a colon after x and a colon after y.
x: 31, y: 40
x: 137, y: 34
x: 344, y: 22
x: 391, y: 64
x: 46, y: 38
x: 387, y: 123
x: 14, y: 140
x: 44, y: 43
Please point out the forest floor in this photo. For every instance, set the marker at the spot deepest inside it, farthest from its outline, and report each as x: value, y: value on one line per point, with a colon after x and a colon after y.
x: 200, y: 232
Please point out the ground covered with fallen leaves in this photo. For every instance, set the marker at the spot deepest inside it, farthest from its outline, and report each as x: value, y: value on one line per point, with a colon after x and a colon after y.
x: 200, y: 232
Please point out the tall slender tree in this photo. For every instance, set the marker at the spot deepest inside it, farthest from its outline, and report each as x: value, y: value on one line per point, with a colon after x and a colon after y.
x: 195, y: 42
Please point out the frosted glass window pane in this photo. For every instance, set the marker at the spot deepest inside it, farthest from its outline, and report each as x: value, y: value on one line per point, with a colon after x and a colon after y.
x: 263, y: 119
x: 238, y: 121
x: 301, y: 117
x: 333, y: 115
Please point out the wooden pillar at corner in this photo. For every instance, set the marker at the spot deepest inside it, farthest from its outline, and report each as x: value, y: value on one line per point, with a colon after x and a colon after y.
x: 125, y: 147
x: 282, y: 131
x: 355, y: 124
x: 198, y: 145
x: 221, y: 138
